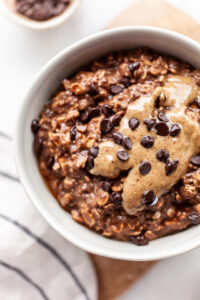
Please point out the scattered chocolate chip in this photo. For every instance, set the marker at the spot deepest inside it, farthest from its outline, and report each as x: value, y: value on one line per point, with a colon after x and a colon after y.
x: 73, y: 133
x: 197, y: 102
x: 196, y: 160
x: 106, y: 186
x: 134, y: 66
x: 115, y: 121
x: 107, y: 110
x: 90, y: 163
x: 149, y: 198
x: 122, y: 155
x: 150, y: 123
x: 35, y: 126
x: 95, y: 112
x: 162, y: 155
x: 175, y: 129
x: 116, y: 89
x: 163, y: 117
x: 126, y: 81
x: 50, y: 162
x: 118, y: 138
x: 133, y: 123
x: 194, y: 218
x: 84, y: 117
x: 139, y: 240
x: 144, y: 167
x: 171, y: 166
x: 105, y: 125
x: 93, y: 89
x: 94, y: 151
x: 116, y: 198
x: 127, y: 143
x: 162, y: 129
x: 147, y: 141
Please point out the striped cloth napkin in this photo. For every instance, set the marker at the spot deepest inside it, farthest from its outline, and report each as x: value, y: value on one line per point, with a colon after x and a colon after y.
x: 35, y: 261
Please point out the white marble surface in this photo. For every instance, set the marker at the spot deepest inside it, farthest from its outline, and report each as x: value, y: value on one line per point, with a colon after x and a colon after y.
x: 22, y: 54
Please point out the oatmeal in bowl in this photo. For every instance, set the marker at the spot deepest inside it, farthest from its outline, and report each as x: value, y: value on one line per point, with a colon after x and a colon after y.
x: 113, y: 143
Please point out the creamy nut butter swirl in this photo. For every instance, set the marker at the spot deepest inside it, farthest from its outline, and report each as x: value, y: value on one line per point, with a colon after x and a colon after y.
x: 161, y: 143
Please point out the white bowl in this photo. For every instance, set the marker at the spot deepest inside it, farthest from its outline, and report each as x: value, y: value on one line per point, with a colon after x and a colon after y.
x: 40, y: 92
x: 8, y: 7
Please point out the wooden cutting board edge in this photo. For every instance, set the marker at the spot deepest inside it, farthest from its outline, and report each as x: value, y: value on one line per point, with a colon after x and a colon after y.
x: 116, y: 276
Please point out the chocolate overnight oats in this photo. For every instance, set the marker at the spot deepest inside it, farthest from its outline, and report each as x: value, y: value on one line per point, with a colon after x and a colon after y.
x: 119, y: 142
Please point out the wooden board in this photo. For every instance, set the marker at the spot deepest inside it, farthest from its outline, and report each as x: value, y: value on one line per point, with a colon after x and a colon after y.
x: 116, y: 276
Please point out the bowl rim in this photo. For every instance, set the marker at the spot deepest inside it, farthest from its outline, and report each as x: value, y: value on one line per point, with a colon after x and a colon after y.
x: 43, y: 25
x: 26, y: 182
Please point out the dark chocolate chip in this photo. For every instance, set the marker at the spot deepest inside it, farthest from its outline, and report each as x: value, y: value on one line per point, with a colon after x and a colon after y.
x: 35, y: 126
x: 162, y: 129
x: 118, y: 138
x: 144, y: 167
x: 196, y: 160
x: 162, y: 155
x: 197, y: 102
x: 84, y: 117
x: 50, y: 162
x: 106, y: 186
x: 93, y: 89
x: 139, y: 240
x: 126, y: 81
x: 149, y: 198
x: 105, y: 125
x: 115, y: 121
x: 90, y: 163
x: 134, y: 66
x: 38, y: 145
x: 122, y: 155
x: 194, y: 218
x: 133, y: 123
x: 171, y: 166
x: 107, y: 110
x: 175, y: 129
x: 73, y: 133
x: 116, y: 89
x: 116, y: 198
x: 150, y: 123
x: 94, y: 151
x: 127, y: 143
x: 95, y: 112
x: 157, y: 102
x: 163, y: 117
x: 147, y: 141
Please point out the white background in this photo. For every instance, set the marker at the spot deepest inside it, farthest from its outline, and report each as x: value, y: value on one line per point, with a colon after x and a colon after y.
x: 22, y: 54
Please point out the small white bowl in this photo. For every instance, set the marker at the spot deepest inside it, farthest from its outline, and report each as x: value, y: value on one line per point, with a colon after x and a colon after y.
x: 8, y: 7
x: 40, y: 91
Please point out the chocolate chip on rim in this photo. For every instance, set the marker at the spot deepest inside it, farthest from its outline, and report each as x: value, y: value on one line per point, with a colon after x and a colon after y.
x: 150, y: 123
x: 106, y: 186
x: 139, y: 240
x: 94, y: 151
x: 194, y: 218
x: 116, y: 89
x: 134, y: 66
x: 35, y: 126
x: 144, y: 167
x: 163, y: 117
x: 105, y: 125
x: 149, y: 198
x: 162, y: 155
x: 162, y: 129
x: 73, y: 133
x: 133, y: 123
x: 175, y: 129
x: 147, y: 141
x: 196, y: 160
x: 107, y: 110
x: 127, y: 143
x: 118, y: 138
x: 122, y: 155
x: 171, y: 166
